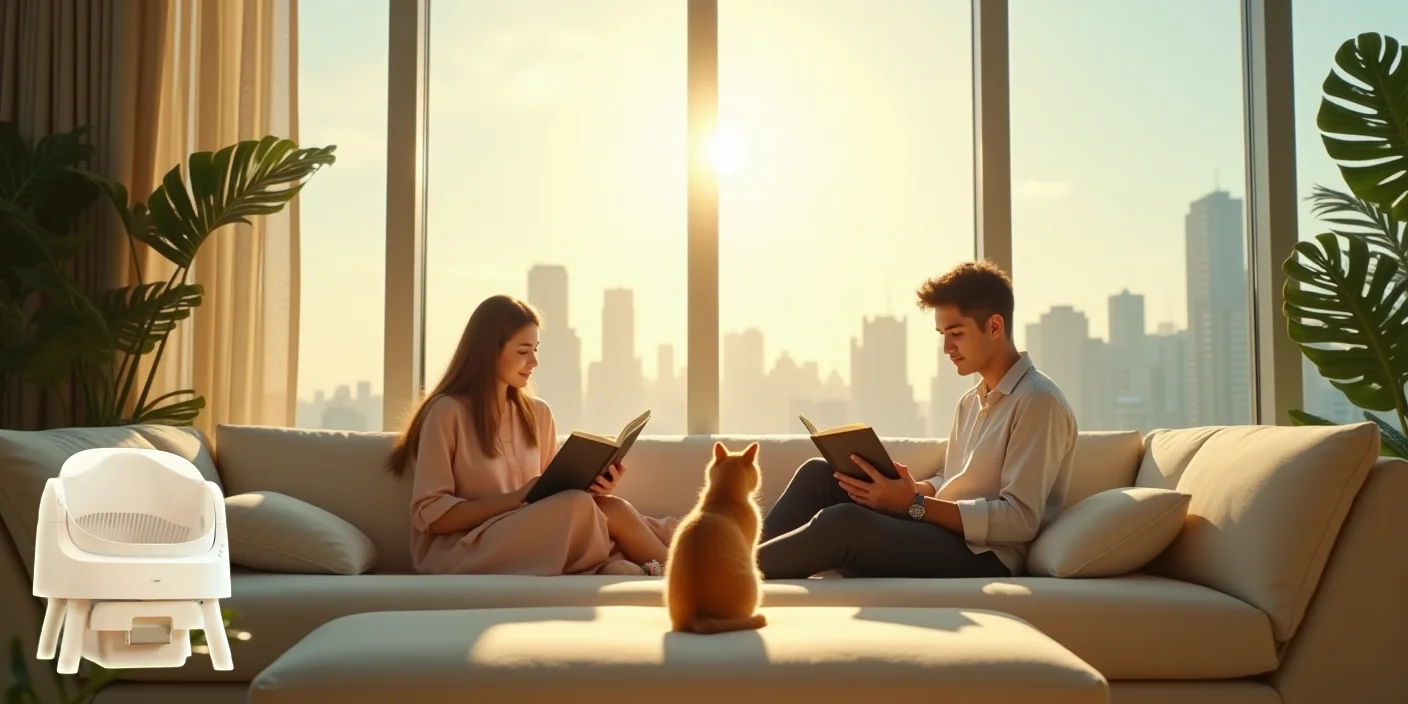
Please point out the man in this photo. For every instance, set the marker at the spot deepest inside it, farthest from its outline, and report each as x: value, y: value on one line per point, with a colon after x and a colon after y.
x: 1005, y: 469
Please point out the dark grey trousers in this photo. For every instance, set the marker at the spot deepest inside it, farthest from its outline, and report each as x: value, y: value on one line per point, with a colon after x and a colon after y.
x: 815, y: 527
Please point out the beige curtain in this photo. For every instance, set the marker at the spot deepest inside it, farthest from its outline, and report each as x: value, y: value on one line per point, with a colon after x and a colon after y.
x: 235, y: 79
x: 165, y: 79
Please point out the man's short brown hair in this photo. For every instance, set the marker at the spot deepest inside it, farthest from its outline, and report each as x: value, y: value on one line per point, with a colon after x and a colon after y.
x: 979, y: 290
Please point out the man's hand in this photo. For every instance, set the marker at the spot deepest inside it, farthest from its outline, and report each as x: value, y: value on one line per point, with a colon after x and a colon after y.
x: 881, y: 493
x: 606, y: 481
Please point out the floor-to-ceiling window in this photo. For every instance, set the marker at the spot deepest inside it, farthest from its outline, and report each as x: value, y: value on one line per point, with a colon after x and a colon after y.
x: 846, y: 179
x: 556, y: 156
x: 559, y: 168
x: 342, y: 65
x: 1128, y: 182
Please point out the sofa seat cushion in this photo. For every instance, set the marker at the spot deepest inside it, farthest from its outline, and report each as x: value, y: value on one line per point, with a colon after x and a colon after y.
x: 588, y: 654
x: 1131, y: 627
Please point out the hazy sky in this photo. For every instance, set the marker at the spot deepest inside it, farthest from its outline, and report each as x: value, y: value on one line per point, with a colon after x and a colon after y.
x: 557, y: 136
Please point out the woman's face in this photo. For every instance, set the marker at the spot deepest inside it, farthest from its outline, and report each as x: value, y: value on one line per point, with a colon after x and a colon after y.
x: 519, y: 357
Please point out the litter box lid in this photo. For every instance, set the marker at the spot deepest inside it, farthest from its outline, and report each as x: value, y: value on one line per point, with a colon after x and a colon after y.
x: 135, y: 501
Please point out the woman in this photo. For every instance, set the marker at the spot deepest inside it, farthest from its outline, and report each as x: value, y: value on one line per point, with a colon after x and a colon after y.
x: 478, y: 443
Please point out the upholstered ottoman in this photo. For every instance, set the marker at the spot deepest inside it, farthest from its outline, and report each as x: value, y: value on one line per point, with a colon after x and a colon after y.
x: 611, y: 654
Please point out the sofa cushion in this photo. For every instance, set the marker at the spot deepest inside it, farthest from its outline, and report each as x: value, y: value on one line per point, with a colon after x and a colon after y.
x: 1112, y: 533
x: 30, y: 458
x: 1132, y: 627
x: 820, y: 655
x: 339, y: 472
x: 1167, y: 454
x: 276, y: 533
x: 1103, y: 460
x: 1267, y: 506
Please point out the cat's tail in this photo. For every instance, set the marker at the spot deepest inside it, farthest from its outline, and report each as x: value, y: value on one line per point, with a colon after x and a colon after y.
x: 706, y: 624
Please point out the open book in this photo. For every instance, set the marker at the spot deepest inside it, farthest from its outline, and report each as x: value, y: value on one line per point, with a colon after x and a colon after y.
x: 838, y: 444
x: 584, y: 456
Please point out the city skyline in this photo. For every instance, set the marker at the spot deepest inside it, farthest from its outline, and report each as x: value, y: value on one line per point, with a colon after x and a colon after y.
x: 558, y: 136
x: 1117, y: 378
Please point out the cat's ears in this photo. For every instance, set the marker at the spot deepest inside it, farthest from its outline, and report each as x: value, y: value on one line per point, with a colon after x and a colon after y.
x: 750, y: 453
x: 720, y: 452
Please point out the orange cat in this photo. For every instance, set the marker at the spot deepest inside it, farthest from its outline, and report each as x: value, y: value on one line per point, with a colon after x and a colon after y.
x: 712, y: 583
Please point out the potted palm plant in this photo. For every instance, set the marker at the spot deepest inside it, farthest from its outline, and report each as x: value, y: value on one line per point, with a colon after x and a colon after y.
x: 52, y: 330
x: 1346, y: 298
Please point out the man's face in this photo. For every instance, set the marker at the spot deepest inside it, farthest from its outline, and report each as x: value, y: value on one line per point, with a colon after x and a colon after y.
x: 969, y: 346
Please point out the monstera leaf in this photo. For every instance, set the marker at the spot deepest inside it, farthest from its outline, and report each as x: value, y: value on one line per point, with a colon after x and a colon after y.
x: 1348, y: 310
x: 242, y: 180
x: 1365, y: 127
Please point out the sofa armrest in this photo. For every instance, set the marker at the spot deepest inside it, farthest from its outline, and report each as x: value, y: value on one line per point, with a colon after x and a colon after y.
x: 1353, y: 642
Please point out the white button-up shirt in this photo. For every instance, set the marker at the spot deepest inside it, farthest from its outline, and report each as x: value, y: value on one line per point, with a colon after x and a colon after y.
x: 1009, y: 461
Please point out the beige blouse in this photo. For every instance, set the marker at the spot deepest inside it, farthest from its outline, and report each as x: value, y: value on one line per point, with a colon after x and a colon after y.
x: 563, y: 534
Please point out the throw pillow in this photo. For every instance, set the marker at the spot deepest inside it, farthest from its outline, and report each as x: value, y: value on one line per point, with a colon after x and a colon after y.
x: 1268, y: 505
x: 278, y: 533
x: 1110, y: 533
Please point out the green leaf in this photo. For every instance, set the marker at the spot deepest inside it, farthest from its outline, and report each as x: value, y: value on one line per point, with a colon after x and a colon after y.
x: 1360, y: 218
x: 176, y: 413
x: 139, y: 317
x: 226, y: 187
x: 227, y: 616
x: 19, y: 674
x: 1299, y: 417
x: 101, y: 677
x: 1394, y: 443
x: 1364, y: 124
x: 1354, y: 329
x: 41, y: 180
x: 65, y: 336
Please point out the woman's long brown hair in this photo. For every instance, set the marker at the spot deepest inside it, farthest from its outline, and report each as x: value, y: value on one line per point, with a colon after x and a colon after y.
x: 473, y: 376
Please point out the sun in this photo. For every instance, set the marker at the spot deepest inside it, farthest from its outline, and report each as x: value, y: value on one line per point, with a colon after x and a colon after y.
x: 726, y: 152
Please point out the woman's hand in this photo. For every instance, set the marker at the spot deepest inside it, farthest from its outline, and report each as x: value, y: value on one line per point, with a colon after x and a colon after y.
x: 606, y: 481
x: 521, y: 496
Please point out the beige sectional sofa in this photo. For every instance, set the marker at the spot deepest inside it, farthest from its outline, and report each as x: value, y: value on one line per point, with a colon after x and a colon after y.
x: 1287, y: 583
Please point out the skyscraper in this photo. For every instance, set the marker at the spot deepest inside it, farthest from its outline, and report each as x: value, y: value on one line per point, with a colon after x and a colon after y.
x: 1129, y: 371
x: 743, y: 407
x: 1219, y: 379
x: 547, y: 291
x: 667, y: 394
x: 1127, y: 324
x: 618, y: 325
x: 880, y: 390
x: 1169, y: 373
x: 1060, y: 340
x: 615, y: 383
x: 559, y: 374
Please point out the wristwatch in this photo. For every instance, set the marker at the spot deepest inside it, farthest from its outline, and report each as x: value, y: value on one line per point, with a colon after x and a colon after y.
x: 916, y: 507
